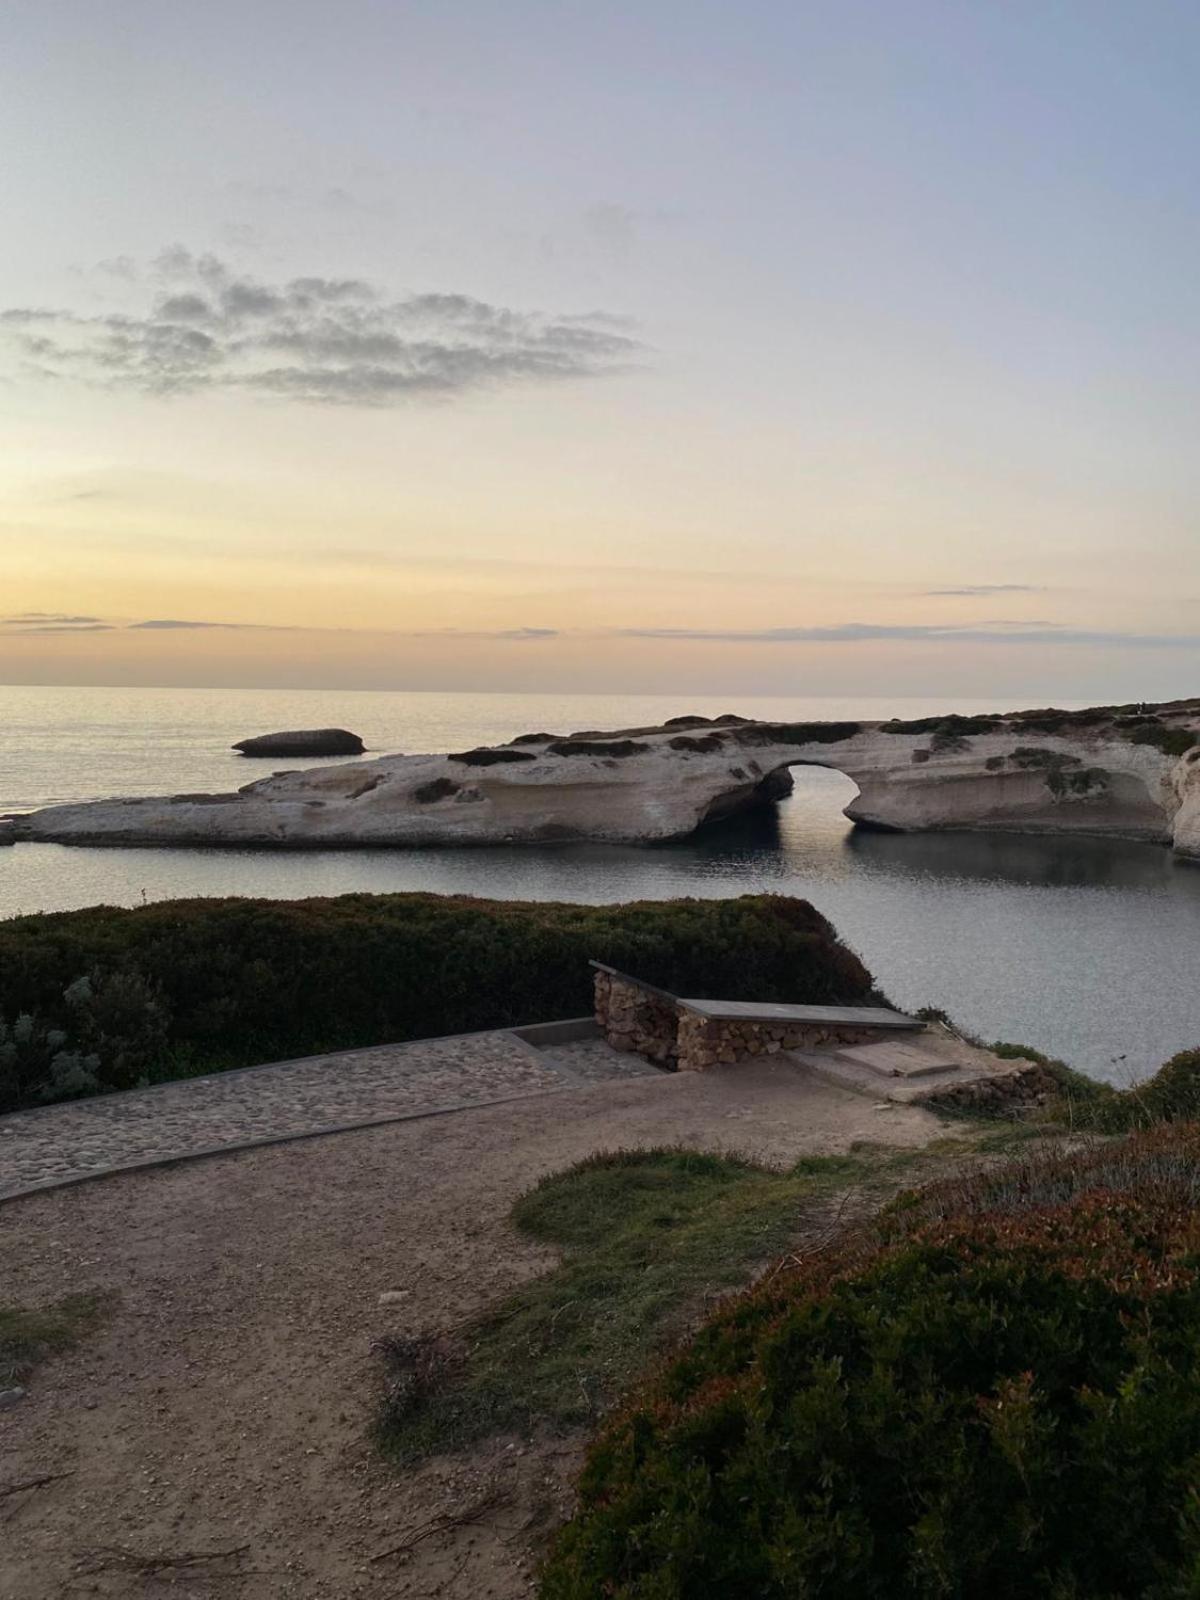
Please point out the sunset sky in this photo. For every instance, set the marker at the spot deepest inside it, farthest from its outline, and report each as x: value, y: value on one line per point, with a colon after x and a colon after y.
x: 781, y: 347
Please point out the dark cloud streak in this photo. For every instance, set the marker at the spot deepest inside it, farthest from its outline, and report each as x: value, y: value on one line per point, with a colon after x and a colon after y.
x: 975, y: 590
x: 865, y: 632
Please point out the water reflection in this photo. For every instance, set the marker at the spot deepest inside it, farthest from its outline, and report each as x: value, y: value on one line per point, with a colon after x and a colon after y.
x: 1049, y: 863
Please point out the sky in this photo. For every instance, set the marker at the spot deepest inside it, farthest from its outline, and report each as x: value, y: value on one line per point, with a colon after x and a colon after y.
x: 781, y: 348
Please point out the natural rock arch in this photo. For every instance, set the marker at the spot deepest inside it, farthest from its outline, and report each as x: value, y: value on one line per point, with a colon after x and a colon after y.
x: 1128, y: 771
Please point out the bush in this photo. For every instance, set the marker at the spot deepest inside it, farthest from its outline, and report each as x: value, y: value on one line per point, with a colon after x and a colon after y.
x: 991, y: 1395
x: 947, y: 726
x: 1171, y: 741
x: 223, y: 983
x: 758, y: 733
x: 107, y: 1030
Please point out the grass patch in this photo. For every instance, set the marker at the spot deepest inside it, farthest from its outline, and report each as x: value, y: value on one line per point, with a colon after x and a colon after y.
x: 648, y: 1238
x: 27, y: 1338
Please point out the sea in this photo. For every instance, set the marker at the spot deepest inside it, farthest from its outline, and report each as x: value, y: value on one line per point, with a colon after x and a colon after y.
x: 1088, y: 949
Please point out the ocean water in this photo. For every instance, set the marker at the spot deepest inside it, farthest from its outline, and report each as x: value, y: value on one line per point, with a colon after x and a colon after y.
x: 1088, y: 949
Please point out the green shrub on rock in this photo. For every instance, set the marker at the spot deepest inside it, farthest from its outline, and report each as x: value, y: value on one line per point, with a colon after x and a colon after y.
x: 992, y: 1395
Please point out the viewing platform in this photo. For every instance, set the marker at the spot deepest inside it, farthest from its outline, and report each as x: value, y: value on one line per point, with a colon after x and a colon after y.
x: 866, y: 1049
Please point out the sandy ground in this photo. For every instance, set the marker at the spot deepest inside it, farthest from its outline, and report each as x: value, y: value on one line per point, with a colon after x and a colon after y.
x: 224, y: 1406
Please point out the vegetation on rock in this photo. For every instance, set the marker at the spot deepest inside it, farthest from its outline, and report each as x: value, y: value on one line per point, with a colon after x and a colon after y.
x: 597, y: 747
x: 705, y: 744
x: 947, y: 725
x: 758, y: 733
x: 436, y: 789
x: 490, y: 758
x: 1171, y: 741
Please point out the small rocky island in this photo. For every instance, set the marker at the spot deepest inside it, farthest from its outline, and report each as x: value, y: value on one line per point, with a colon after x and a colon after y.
x: 1129, y: 771
x: 309, y: 742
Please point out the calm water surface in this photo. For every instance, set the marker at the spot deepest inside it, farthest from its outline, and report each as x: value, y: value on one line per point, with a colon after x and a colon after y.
x: 1086, y: 948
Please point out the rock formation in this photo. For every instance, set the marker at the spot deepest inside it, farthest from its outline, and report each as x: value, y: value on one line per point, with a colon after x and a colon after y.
x: 309, y: 742
x: 1127, y: 771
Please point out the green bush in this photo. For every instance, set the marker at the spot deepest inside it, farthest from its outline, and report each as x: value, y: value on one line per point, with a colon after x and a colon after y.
x: 993, y: 1394
x: 229, y: 982
x: 108, y: 1029
x: 948, y: 727
x: 1171, y: 741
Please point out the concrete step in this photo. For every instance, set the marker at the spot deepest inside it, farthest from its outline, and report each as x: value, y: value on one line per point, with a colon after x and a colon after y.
x: 889, y: 1059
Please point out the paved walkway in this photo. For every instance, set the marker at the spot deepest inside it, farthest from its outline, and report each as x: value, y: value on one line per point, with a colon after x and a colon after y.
x: 287, y: 1100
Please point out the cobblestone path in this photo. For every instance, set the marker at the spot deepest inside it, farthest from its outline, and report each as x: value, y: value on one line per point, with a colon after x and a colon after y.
x: 288, y: 1099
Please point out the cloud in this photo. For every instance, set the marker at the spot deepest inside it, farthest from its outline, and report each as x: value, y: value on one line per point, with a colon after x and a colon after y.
x: 988, y: 588
x: 171, y: 624
x: 999, y: 632
x: 866, y: 632
x: 55, y: 622
x: 337, y: 341
x: 520, y: 635
x: 23, y: 622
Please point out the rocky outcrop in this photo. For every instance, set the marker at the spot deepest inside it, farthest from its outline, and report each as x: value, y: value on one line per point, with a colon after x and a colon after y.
x: 1186, y: 783
x: 309, y: 742
x: 1127, y: 771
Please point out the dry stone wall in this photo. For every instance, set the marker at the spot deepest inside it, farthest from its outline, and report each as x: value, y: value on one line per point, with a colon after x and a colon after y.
x: 713, y: 1041
x: 1006, y: 1093
x: 636, y: 1016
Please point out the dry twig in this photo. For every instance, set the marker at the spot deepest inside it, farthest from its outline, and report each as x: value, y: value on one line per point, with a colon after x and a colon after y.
x: 444, y: 1522
x: 32, y: 1483
x: 118, y: 1556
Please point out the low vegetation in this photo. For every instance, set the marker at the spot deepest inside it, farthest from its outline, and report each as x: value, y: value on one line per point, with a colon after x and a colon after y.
x: 108, y: 999
x: 1085, y: 1104
x: 759, y: 733
x: 946, y: 727
x: 489, y: 757
x: 705, y: 744
x: 988, y: 1391
x: 597, y: 747
x: 1171, y: 741
x: 28, y: 1337
x: 646, y: 1236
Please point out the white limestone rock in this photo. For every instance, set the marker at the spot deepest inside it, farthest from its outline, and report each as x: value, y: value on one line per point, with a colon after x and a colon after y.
x: 1097, y: 772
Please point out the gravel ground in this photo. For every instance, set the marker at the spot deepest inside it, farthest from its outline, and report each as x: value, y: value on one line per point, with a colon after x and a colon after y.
x: 214, y: 1432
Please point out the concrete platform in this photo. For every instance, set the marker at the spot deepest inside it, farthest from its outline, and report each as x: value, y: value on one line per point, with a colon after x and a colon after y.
x: 808, y: 1016
x: 923, y: 1068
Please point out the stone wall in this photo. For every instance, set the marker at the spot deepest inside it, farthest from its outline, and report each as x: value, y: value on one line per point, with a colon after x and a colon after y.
x: 636, y: 1016
x: 1006, y: 1094
x: 710, y: 1041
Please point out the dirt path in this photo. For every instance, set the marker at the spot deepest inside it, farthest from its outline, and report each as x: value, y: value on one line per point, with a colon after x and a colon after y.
x: 224, y: 1406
